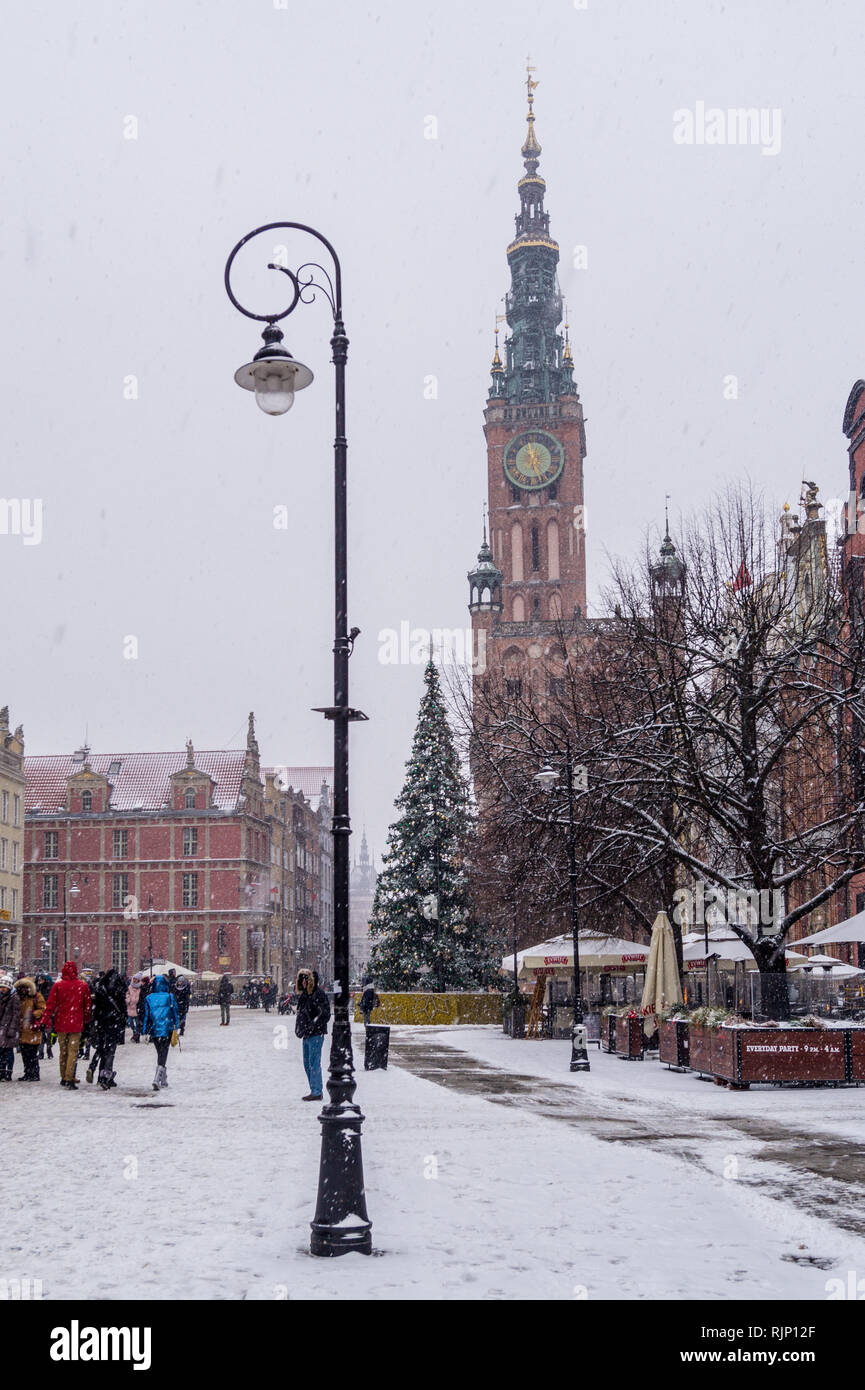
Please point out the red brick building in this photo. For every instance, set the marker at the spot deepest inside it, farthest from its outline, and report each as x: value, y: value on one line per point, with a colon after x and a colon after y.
x: 128, y: 852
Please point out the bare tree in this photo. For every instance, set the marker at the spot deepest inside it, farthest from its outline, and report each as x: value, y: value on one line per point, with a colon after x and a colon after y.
x: 717, y: 716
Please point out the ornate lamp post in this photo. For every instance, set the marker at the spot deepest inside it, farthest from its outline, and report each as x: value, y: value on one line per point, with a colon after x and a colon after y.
x: 341, y: 1223
x: 548, y: 778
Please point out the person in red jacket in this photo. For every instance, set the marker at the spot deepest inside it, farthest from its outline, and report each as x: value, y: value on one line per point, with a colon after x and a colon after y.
x: 68, y: 1012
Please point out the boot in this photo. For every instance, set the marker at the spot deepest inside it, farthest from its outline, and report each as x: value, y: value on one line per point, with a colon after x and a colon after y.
x: 163, y: 1080
x: 90, y: 1075
x: 156, y: 1079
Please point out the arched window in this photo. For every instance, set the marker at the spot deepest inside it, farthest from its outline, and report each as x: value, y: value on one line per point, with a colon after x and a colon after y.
x: 552, y: 550
x: 87, y: 801
x: 556, y: 606
x: 516, y: 553
x: 536, y: 550
x: 190, y: 798
x: 519, y: 609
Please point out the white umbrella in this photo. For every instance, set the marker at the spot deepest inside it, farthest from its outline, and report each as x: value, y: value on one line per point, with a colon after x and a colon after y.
x: 161, y: 966
x: 662, y: 987
x: 851, y: 930
x: 597, y: 951
x: 827, y: 965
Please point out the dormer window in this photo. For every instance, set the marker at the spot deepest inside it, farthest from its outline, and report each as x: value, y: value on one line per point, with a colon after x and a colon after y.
x: 190, y: 799
x: 87, y: 801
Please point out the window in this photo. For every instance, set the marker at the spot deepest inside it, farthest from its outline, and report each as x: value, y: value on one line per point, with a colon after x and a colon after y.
x: 16, y: 814
x: 189, y: 948
x: 51, y: 847
x: 536, y: 550
x: 87, y: 801
x: 5, y: 809
x: 190, y: 890
x: 190, y: 841
x: 15, y: 849
x: 557, y: 685
x: 49, y: 890
x: 220, y: 941
x: 3, y: 892
x: 14, y: 904
x: 119, y: 951
x: 121, y: 844
x: 4, y: 854
x: 119, y: 890
x: 190, y: 799
x: 49, y: 951
x: 514, y: 688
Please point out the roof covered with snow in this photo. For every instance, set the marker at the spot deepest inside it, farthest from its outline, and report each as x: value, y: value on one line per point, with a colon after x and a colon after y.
x: 140, y: 781
x: 303, y: 779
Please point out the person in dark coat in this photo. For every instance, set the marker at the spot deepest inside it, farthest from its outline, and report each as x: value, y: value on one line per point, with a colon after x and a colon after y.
x: 10, y: 1025
x: 68, y: 1009
x: 43, y: 987
x: 223, y: 995
x: 182, y: 991
x: 159, y: 1022
x: 369, y: 1000
x: 109, y: 1026
x: 313, y: 1012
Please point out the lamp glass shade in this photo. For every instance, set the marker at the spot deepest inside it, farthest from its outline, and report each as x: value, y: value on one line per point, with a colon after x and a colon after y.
x: 547, y: 777
x: 274, y: 387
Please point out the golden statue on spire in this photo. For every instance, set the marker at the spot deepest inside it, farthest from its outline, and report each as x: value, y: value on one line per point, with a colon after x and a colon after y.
x: 530, y: 83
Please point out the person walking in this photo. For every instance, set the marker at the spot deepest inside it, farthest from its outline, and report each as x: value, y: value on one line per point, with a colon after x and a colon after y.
x: 369, y: 1000
x: 182, y: 992
x: 313, y: 1012
x: 132, y: 995
x: 68, y: 1010
x: 109, y: 1026
x: 32, y: 1009
x: 43, y: 987
x: 161, y: 1020
x: 10, y: 1025
x: 223, y: 995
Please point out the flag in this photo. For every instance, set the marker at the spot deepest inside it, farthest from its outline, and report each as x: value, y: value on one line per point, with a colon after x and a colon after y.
x: 743, y: 579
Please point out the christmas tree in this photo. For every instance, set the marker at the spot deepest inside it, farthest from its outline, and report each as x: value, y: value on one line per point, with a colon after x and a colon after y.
x: 421, y: 926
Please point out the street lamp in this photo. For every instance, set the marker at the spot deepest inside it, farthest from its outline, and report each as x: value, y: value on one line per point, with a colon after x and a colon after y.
x: 341, y: 1223
x: 548, y: 778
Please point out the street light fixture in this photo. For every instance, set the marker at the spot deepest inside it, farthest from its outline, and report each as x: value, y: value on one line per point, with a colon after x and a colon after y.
x: 548, y: 778
x: 341, y: 1223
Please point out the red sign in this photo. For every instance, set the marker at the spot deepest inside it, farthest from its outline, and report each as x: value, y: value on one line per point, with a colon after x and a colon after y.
x: 625, y: 959
x: 557, y: 960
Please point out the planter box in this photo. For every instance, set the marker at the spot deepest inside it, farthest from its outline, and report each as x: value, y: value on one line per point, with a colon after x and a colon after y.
x: 789, y: 1054
x: 629, y: 1037
x: 674, y: 1043
x: 608, y: 1032
x: 700, y: 1039
x: 856, y: 1052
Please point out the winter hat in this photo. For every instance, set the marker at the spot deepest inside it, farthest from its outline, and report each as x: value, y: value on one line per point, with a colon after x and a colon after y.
x: 6, y: 981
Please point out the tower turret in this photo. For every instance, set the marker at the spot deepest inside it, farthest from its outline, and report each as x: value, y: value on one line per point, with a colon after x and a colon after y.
x: 485, y: 581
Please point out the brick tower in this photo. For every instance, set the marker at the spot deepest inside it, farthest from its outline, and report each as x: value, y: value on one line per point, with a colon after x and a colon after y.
x: 532, y: 574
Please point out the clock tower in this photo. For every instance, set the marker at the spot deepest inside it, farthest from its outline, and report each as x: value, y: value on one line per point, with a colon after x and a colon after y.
x: 535, y: 449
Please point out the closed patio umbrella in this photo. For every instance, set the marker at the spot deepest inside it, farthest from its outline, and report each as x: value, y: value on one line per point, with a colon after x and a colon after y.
x: 662, y: 987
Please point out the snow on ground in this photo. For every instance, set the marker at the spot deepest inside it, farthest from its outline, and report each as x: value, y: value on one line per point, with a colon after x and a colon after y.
x: 838, y: 1110
x: 206, y: 1190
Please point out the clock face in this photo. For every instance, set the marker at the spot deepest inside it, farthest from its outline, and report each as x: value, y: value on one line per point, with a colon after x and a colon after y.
x: 533, y: 460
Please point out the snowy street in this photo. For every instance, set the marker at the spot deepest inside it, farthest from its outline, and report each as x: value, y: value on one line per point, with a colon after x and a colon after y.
x: 491, y: 1173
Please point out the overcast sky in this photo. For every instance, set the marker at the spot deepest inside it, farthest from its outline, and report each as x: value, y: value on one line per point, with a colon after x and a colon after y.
x: 703, y: 262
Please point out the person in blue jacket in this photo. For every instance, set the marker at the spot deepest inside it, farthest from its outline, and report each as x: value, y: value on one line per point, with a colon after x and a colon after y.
x: 160, y: 1020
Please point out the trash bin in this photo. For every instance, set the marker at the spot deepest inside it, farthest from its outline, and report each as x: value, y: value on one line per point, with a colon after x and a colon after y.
x: 376, y: 1048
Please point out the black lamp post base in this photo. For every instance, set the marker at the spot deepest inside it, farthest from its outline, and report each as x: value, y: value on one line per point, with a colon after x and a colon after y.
x: 579, y: 1060
x: 341, y: 1223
